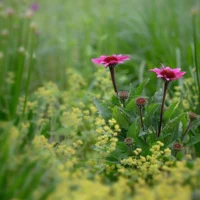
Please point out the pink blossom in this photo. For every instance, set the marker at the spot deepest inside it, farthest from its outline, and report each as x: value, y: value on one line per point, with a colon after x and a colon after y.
x: 168, y: 74
x: 110, y: 60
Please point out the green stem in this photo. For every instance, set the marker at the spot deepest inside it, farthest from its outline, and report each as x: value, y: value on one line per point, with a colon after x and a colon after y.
x: 162, y: 107
x: 123, y: 102
x: 17, y: 86
x: 141, y: 120
x: 31, y: 64
x: 195, y: 54
x: 186, y: 130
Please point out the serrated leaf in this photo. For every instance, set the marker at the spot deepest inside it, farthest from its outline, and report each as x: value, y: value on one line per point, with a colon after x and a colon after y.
x: 103, y: 109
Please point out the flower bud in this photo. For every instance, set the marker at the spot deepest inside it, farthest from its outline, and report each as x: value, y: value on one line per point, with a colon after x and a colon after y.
x: 128, y: 141
x: 21, y: 50
x: 29, y: 14
x: 9, y: 12
x: 33, y: 26
x: 195, y: 10
x: 123, y: 95
x: 177, y: 146
x: 1, y: 55
x: 140, y: 101
x: 4, y: 32
x: 192, y: 116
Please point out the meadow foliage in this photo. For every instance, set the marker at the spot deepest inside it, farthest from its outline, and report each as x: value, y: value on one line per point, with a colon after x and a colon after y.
x: 72, y: 130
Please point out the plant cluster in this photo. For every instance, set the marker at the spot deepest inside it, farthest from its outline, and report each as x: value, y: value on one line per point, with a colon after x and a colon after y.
x: 144, y: 120
x: 85, y: 142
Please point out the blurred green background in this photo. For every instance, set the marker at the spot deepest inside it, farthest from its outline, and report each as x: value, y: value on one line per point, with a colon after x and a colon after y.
x: 150, y: 31
x: 71, y: 33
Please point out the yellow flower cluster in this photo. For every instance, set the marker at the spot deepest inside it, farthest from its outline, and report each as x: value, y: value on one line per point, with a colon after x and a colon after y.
x: 150, y: 165
x: 152, y: 176
x: 189, y: 96
x: 107, y: 140
x: 103, y: 84
x: 10, y: 78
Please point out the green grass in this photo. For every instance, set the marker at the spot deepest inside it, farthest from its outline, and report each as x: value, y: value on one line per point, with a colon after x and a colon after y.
x: 153, y: 32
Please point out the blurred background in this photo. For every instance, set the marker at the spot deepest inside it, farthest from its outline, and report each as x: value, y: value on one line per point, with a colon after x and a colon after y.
x: 71, y: 33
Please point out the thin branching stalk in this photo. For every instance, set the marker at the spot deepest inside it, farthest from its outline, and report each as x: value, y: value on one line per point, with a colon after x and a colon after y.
x: 112, y: 73
x: 162, y: 107
x: 186, y: 130
x: 31, y: 64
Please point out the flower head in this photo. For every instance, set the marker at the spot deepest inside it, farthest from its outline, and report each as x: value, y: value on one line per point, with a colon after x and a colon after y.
x: 34, y: 7
x: 168, y: 74
x: 177, y: 146
x: 113, y: 60
x: 123, y: 95
x: 140, y: 101
x: 192, y: 116
x: 128, y: 141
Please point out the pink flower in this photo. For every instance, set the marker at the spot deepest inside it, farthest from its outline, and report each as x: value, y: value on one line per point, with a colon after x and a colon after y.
x: 168, y: 74
x: 110, y: 60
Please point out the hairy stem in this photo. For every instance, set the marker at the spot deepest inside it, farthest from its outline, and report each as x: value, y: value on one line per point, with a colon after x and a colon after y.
x: 162, y: 107
x: 112, y: 74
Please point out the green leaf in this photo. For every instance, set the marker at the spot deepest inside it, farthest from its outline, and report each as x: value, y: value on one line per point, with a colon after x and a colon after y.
x: 115, y: 100
x: 152, y: 116
x: 131, y: 105
x: 135, y: 92
x: 121, y: 118
x: 118, y: 153
x: 143, y: 145
x: 193, y: 140
x: 142, y: 133
x: 158, y: 96
x: 173, y: 126
x: 133, y: 131
x: 195, y: 124
x: 103, y: 109
x: 150, y: 113
x: 170, y: 110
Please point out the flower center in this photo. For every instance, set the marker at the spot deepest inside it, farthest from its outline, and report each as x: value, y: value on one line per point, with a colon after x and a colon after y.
x: 168, y: 73
x: 110, y: 59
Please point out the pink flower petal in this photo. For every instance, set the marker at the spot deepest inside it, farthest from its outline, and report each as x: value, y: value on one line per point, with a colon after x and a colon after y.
x: 110, y: 60
x: 168, y: 73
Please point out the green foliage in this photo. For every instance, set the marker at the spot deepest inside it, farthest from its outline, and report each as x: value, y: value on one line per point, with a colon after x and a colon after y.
x: 18, y: 43
x: 54, y: 144
x: 175, y: 122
